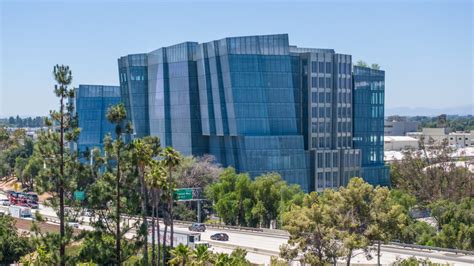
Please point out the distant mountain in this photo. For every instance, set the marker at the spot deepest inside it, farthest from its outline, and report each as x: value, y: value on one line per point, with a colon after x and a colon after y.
x: 430, y: 111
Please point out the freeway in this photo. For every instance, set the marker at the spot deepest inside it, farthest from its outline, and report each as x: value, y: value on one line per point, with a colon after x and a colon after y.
x: 262, y: 245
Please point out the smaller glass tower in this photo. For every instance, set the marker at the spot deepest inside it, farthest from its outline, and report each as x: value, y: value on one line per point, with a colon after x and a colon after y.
x: 368, y: 116
x: 92, y: 102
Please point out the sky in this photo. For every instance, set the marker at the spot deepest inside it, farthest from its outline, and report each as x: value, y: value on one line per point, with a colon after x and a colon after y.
x: 425, y: 47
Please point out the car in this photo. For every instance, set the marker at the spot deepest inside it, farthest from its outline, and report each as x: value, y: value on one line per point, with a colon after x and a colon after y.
x: 5, y: 202
x: 73, y: 224
x: 198, y: 227
x: 220, y: 237
x: 202, y: 243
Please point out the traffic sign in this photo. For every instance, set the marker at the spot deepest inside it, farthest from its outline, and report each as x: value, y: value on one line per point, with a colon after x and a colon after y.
x: 183, y: 194
x: 79, y: 195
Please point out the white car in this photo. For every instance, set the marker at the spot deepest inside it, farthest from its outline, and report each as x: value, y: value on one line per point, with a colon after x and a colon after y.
x: 73, y: 224
x: 5, y: 202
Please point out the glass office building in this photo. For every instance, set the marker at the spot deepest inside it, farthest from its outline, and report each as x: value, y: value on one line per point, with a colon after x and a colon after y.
x: 369, y: 102
x: 325, y: 99
x: 246, y: 96
x: 255, y: 103
x: 133, y: 77
x: 174, y: 107
x: 92, y: 102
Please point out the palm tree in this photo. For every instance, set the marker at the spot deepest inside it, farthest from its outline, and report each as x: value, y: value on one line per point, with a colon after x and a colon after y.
x: 63, y: 77
x: 143, y: 154
x: 116, y: 114
x: 222, y: 259
x: 180, y: 254
x: 171, y: 159
x: 201, y: 256
x: 156, y: 180
x: 238, y: 257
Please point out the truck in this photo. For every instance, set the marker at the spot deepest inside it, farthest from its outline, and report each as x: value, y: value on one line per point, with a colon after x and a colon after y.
x: 19, y: 211
x: 190, y: 239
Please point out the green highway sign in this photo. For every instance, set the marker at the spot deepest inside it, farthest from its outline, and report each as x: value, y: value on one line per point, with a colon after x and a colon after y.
x: 79, y: 195
x: 183, y: 194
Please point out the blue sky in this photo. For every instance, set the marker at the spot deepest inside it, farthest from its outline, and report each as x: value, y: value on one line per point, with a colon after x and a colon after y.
x: 425, y: 47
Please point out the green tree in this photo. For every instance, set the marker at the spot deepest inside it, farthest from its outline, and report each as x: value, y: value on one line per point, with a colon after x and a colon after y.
x: 232, y: 197
x: 375, y: 66
x: 201, y: 256
x: 171, y: 159
x: 51, y: 148
x: 417, y: 232
x: 180, y: 255
x: 361, y: 63
x: 312, y: 232
x: 272, y: 194
x: 156, y: 180
x: 143, y: 153
x: 221, y: 259
x: 350, y: 214
x: 431, y: 175
x: 117, y: 114
x: 387, y: 219
x: 238, y: 257
x: 456, y: 223
x: 12, y: 245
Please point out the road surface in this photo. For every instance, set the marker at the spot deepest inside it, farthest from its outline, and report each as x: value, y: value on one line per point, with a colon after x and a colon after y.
x: 261, y: 246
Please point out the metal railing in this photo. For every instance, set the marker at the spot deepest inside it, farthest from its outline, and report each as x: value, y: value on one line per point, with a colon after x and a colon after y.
x: 414, y: 246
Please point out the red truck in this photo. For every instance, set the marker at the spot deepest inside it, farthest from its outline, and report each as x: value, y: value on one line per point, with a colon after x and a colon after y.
x: 23, y: 199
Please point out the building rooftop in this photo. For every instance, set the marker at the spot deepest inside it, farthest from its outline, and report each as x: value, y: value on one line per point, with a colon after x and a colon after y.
x: 398, y: 138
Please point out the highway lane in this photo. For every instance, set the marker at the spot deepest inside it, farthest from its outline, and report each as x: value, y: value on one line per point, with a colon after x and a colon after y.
x: 269, y: 245
x: 261, y: 246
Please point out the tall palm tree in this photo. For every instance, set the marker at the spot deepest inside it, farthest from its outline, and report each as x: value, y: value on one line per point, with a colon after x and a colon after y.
x: 116, y: 114
x: 201, y: 256
x: 143, y: 155
x: 180, y: 255
x: 156, y: 180
x: 63, y: 76
x: 171, y: 159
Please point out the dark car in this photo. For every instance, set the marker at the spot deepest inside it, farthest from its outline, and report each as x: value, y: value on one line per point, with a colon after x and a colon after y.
x: 220, y: 237
x: 197, y: 227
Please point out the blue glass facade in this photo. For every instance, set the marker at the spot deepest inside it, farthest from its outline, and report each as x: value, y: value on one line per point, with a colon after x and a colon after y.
x: 174, y: 108
x: 369, y: 94
x: 133, y: 77
x: 92, y: 102
x: 257, y: 104
x: 246, y: 95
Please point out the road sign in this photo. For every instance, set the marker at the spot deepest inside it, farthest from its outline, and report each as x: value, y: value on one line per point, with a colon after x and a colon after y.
x: 183, y: 194
x: 79, y: 195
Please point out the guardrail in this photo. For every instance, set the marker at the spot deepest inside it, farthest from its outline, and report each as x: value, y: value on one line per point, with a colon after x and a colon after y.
x: 451, y: 250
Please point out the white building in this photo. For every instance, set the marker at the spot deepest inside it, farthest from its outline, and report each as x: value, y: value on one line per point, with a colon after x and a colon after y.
x: 399, y: 128
x: 398, y: 143
x: 461, y: 139
x: 455, y: 139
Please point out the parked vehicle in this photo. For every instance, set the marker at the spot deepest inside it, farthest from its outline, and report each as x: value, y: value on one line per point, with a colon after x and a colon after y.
x: 220, y: 237
x: 19, y: 211
x: 197, y: 227
x: 179, y: 237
